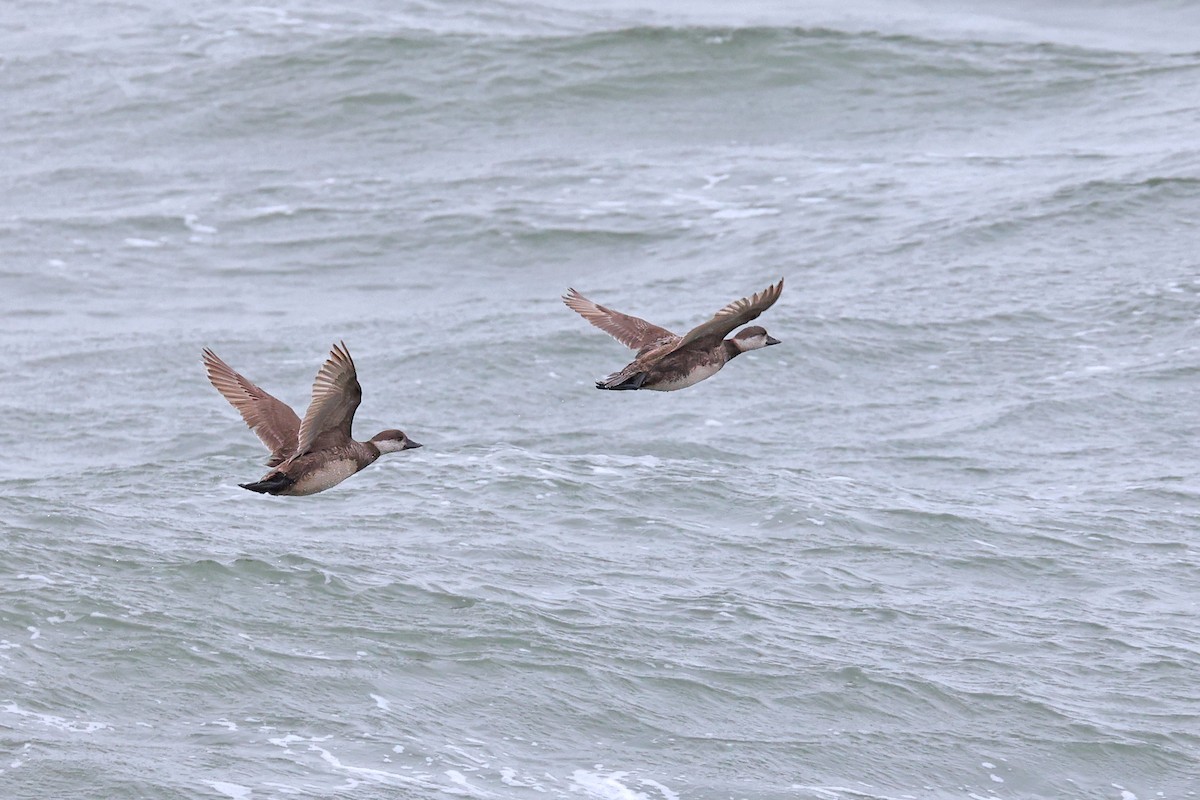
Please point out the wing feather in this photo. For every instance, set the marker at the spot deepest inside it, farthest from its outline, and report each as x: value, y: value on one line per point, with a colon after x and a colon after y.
x: 336, y: 394
x: 633, y: 332
x: 272, y: 420
x: 734, y: 315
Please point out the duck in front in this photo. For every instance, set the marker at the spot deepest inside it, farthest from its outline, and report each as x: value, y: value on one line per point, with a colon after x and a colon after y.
x: 313, y: 454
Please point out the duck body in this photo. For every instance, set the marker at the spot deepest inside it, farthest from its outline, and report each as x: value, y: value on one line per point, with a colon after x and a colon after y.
x: 674, y: 371
x: 322, y: 469
x: 667, y: 362
x: 315, y: 472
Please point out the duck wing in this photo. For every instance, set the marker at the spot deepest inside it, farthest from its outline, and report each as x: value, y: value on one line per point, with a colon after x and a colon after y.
x: 630, y: 331
x: 734, y: 315
x: 272, y: 420
x: 336, y: 394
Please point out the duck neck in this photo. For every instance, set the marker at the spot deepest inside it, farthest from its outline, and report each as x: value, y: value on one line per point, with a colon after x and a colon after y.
x: 732, y: 351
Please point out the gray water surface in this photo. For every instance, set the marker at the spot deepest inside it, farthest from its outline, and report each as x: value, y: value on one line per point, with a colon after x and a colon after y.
x: 939, y: 544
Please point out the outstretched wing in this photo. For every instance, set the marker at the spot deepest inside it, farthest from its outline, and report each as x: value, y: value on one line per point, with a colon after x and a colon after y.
x: 335, y: 397
x: 271, y: 419
x: 734, y: 315
x: 630, y: 331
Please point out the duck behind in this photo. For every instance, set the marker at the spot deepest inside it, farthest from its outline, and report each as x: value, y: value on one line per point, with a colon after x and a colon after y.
x: 667, y: 362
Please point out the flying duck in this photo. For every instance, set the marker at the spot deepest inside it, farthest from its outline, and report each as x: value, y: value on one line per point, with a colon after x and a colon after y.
x: 665, y: 361
x: 312, y: 455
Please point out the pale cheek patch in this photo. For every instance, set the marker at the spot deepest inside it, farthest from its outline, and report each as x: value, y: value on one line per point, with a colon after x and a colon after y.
x: 754, y: 343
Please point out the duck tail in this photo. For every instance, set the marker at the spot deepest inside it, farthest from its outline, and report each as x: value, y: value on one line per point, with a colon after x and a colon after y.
x: 622, y: 382
x: 274, y: 483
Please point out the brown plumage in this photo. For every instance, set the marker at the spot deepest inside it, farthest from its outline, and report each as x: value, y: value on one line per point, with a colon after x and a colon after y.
x: 312, y: 455
x: 630, y: 331
x: 271, y: 419
x: 336, y: 394
x: 666, y: 361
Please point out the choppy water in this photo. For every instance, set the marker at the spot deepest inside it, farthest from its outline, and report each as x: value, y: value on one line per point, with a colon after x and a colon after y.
x: 941, y: 544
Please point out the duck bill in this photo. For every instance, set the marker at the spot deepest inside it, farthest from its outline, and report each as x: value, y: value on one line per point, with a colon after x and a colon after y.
x: 772, y: 340
x: 411, y: 445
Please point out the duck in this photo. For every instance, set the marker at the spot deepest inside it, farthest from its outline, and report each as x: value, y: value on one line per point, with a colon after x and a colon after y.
x: 318, y: 452
x: 667, y: 362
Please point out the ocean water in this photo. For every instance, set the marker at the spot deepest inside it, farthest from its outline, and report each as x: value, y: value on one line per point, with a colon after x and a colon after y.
x: 940, y: 544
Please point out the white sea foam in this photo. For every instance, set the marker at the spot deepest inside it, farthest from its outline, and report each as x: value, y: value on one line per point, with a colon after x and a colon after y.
x: 274, y: 211
x: 458, y: 779
x: 371, y: 774
x: 508, y: 776
x: 745, y: 213
x: 615, y: 786
x: 52, y: 721
x: 666, y: 793
x: 193, y: 223
x: 234, y: 790
x: 287, y: 740
x: 604, y: 787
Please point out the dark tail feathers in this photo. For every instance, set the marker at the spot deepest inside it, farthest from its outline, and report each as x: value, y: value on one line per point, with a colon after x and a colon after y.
x: 274, y: 483
x: 616, y: 383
